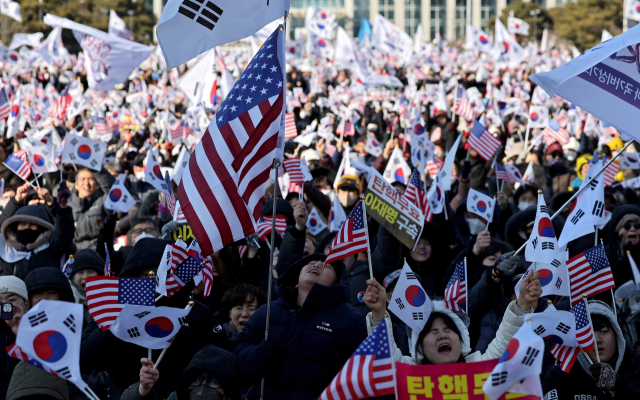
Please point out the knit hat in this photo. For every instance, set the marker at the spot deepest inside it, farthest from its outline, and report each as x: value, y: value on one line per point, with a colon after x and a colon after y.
x: 12, y: 284
x: 283, y: 207
x: 87, y: 259
x: 625, y: 219
x: 47, y: 278
x: 391, y: 278
x: 350, y: 181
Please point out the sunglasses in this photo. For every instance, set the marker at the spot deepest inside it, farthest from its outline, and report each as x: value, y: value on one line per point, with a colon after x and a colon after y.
x: 636, y: 226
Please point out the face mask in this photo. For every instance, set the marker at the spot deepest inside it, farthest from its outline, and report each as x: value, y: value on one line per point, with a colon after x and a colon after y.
x: 327, y: 191
x: 570, y: 155
x: 27, y: 236
x: 143, y: 235
x: 303, y: 115
x: 139, y: 175
x: 523, y: 205
x: 475, y: 225
x: 204, y: 392
x: 347, y: 199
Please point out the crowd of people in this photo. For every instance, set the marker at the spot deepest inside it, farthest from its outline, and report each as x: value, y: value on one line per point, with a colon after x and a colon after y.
x: 319, y: 314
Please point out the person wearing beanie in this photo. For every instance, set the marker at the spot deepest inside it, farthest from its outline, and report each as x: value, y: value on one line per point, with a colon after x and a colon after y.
x: 48, y: 284
x: 86, y: 263
x: 349, y: 188
x: 624, y: 237
x: 14, y: 291
x: 615, y: 373
x: 30, y: 239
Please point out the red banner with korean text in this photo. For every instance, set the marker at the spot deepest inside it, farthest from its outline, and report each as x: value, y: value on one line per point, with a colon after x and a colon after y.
x: 449, y: 382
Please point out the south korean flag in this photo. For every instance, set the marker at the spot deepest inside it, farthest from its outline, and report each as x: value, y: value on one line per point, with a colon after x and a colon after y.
x: 555, y: 326
x: 149, y: 327
x: 410, y: 302
x: 596, y: 192
x: 83, y: 151
x: 580, y: 221
x: 554, y: 277
x: 629, y: 161
x: 49, y: 336
x: 480, y: 204
x: 119, y: 198
x: 542, y: 245
x: 153, y: 174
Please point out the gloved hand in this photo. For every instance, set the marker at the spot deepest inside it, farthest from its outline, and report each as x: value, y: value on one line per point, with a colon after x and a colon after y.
x: 505, y: 265
x: 603, y: 375
x: 63, y: 194
x: 169, y: 228
x: 253, y: 242
x: 466, y: 170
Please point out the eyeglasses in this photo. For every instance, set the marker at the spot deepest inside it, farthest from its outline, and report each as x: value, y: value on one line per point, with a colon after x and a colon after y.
x: 241, y: 310
x: 211, y: 381
x: 636, y: 226
x: 150, y: 231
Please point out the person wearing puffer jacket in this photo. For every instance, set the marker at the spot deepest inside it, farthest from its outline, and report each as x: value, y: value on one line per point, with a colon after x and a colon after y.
x: 445, y: 337
x: 616, y: 375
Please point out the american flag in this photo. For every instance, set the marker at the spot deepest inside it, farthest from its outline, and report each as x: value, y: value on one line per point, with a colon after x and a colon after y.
x: 179, y: 253
x: 508, y: 173
x: 68, y: 267
x: 368, y: 372
x: 107, y: 262
x: 5, y: 104
x: 563, y: 118
x: 15, y: 351
x: 346, y: 128
x: 352, y: 237
x: 589, y: 273
x: 482, y: 141
x: 566, y: 355
x: 294, y: 188
x: 103, y: 126
x: 456, y: 290
x: 182, y: 275
x: 415, y: 192
x: 207, y: 276
x: 292, y: 165
x: 434, y: 165
x: 611, y: 171
x: 436, y: 134
x: 265, y: 223
x: 107, y: 296
x: 464, y: 109
x: 179, y: 130
x: 58, y: 109
x: 290, y: 129
x: 554, y: 133
x: 221, y: 190
x: 18, y: 163
x: 584, y: 334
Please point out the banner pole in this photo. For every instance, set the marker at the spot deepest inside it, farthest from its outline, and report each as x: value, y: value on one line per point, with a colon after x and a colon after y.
x: 366, y: 231
x: 579, y: 191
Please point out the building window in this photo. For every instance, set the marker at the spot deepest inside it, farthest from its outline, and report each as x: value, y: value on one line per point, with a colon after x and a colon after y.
x: 487, y: 10
x: 412, y: 15
x: 438, y: 18
x: 385, y: 8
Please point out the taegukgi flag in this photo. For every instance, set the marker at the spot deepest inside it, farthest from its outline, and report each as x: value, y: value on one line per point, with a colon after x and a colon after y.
x: 149, y: 327
x: 542, y: 245
x: 119, y: 198
x: 409, y: 301
x: 84, y: 151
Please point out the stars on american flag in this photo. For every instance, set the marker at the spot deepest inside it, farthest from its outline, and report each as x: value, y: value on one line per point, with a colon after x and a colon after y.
x: 375, y: 344
x: 597, y: 258
x: 136, y: 291
x: 188, y: 269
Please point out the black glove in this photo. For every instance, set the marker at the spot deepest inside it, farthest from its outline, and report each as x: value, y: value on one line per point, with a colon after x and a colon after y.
x: 253, y: 242
x: 466, y: 170
x: 505, y: 265
x: 603, y: 375
x: 63, y: 193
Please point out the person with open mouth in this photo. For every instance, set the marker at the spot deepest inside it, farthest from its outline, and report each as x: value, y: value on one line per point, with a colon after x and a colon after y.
x: 445, y: 337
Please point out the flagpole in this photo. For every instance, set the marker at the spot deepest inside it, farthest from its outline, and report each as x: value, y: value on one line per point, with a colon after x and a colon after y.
x: 155, y: 366
x: 466, y: 306
x: 366, y: 231
x: 595, y: 342
x: 579, y: 191
x: 26, y: 181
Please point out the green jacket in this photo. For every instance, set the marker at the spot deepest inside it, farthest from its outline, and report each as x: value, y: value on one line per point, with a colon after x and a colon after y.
x: 28, y: 380
x: 132, y: 394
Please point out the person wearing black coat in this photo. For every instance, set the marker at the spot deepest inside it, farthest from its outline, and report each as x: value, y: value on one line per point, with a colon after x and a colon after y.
x: 110, y: 365
x: 617, y: 375
x: 22, y: 253
x: 623, y: 240
x: 312, y: 332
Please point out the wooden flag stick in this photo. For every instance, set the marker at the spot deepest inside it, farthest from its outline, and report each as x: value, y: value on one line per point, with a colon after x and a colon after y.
x: 366, y: 231
x: 593, y: 332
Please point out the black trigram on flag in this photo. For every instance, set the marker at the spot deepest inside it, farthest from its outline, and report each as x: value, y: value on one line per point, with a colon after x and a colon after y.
x: 411, y: 275
x: 418, y: 316
x: 182, y: 320
x: 64, y: 372
x: 563, y: 328
x: 498, y: 378
x: 576, y: 218
x: 539, y: 330
x: 558, y: 283
x: 134, y: 332
x: 142, y: 314
x: 400, y: 303
x: 202, y: 11
x: 547, y: 246
x: 594, y: 184
x: 38, y: 319
x: 544, y: 209
x: 70, y: 323
x: 598, y: 208
x: 530, y: 357
x: 556, y: 263
x: 535, y: 243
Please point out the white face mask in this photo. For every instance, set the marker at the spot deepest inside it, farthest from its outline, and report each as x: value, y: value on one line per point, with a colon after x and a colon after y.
x: 139, y: 175
x: 327, y: 191
x: 303, y: 115
x: 523, y: 205
x: 475, y: 226
x: 143, y: 235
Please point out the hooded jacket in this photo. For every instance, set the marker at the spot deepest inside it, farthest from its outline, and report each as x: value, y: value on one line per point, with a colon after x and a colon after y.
x: 307, y: 345
x: 579, y: 383
x: 511, y: 322
x: 30, y: 381
x: 617, y: 251
x: 48, y: 248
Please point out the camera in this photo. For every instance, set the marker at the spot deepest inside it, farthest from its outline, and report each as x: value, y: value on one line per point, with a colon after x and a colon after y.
x: 6, y: 311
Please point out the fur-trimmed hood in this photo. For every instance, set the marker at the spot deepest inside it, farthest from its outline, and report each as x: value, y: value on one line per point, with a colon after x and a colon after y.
x: 600, y: 308
x: 33, y: 215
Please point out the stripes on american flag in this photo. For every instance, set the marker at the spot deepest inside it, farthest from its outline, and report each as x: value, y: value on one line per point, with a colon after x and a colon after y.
x: 584, y: 333
x: 482, y: 141
x: 292, y: 166
x: 415, y: 192
x: 566, y: 355
x: 346, y: 128
x: 611, y: 171
x: 369, y: 372
x: 563, y: 118
x: 5, y: 104
x: 107, y: 296
x: 352, y: 237
x: 456, y: 290
x: 464, y: 109
x: 555, y: 133
x: 103, y: 126
x: 179, y: 130
x: 290, y: 129
x: 508, y: 173
x: 207, y: 277
x: 589, y: 273
x: 18, y: 163
x: 436, y: 134
x: 433, y: 165
x: 179, y: 253
x: 182, y: 275
x: 222, y: 188
x: 265, y: 223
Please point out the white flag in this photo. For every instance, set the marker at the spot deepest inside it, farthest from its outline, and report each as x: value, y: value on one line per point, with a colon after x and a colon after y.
x: 199, y: 83
x: 321, y: 22
x: 211, y: 24
x: 436, y: 196
x: 631, y: 183
x: 42, y: 158
x: 13, y: 122
x: 25, y: 39
x: 579, y: 222
x: 507, y: 48
x: 117, y: 27
x: 305, y: 170
x: 181, y: 164
x: 152, y: 172
x: 629, y: 161
x: 108, y: 59
x: 84, y: 151
x: 542, y: 245
x: 529, y: 176
x: 10, y: 9
x: 315, y: 224
x: 606, y: 35
x: 634, y: 269
x: 521, y: 359
x: 348, y: 55
x: 372, y: 146
x: 632, y: 9
x: 409, y: 301
x: 555, y: 326
x: 389, y: 38
x: 447, y: 167
x: 50, y: 335
x: 337, y: 216
x: 478, y: 40
x: 119, y: 198
x: 538, y: 117
x: 345, y: 166
x: 517, y: 26
x: 554, y: 277
x: 149, y: 327
x: 480, y: 204
x: 596, y: 194
x: 397, y: 169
